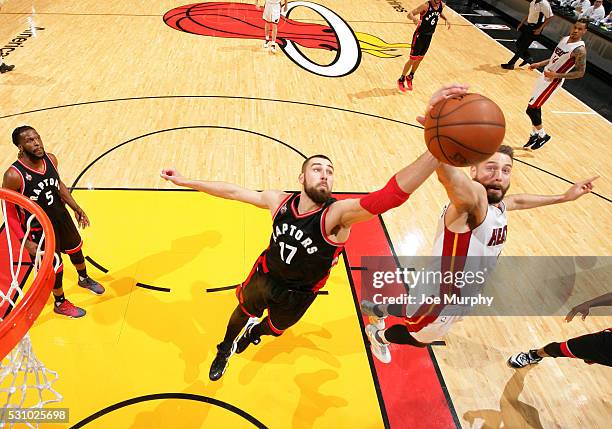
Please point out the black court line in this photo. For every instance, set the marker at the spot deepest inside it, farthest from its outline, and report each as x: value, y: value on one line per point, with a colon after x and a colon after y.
x: 159, y: 97
x: 559, y: 177
x: 95, y: 264
x: 181, y: 128
x: 252, y: 99
x: 218, y: 289
x: 80, y: 188
x: 449, y: 401
x: 146, y: 286
x: 183, y: 396
x: 381, y: 402
x: 130, y: 15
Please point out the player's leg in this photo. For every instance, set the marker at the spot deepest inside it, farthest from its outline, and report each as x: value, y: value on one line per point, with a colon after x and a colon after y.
x: 592, y: 348
x: 61, y: 304
x: 401, y: 82
x: 267, y: 34
x: 252, y: 300
x: 421, y: 47
x: 522, y: 43
x: 275, y: 12
x: 285, y: 308
x: 543, y: 90
x: 71, y: 244
x: 273, y: 44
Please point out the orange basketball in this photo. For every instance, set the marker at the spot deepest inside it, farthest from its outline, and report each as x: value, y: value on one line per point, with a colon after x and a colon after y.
x: 465, y: 130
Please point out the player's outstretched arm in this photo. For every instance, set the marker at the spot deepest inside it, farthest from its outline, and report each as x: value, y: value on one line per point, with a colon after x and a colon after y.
x: 229, y: 191
x: 584, y: 308
x: 466, y: 195
x: 399, y: 187
x: 529, y: 201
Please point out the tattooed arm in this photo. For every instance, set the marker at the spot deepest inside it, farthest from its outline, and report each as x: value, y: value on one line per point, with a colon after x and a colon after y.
x: 579, y: 56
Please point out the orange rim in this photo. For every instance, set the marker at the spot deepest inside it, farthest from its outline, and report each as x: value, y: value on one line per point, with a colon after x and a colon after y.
x: 22, y: 317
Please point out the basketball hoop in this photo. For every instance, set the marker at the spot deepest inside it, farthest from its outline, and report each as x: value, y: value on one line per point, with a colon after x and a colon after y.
x: 21, y: 304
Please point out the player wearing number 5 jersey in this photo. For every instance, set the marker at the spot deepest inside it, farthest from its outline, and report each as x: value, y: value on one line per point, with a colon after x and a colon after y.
x: 308, y: 234
x: 35, y: 175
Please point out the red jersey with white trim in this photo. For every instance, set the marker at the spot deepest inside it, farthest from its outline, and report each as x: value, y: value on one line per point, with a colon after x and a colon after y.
x: 300, y: 254
x: 561, y: 60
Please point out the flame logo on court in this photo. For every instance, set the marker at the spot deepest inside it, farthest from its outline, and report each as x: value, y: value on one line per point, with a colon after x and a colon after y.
x: 245, y: 21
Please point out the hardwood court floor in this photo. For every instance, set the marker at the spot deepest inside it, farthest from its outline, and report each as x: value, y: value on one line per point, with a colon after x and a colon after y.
x: 117, y: 95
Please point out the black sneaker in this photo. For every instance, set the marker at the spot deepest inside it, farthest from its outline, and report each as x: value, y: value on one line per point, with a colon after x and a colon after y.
x: 507, y: 66
x: 522, y: 359
x: 246, y: 338
x: 532, y: 140
x: 541, y: 141
x: 6, y: 68
x: 219, y: 365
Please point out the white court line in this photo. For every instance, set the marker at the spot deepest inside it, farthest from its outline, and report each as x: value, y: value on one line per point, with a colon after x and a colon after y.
x: 505, y: 40
x: 574, y: 113
x: 537, y: 71
x: 470, y: 14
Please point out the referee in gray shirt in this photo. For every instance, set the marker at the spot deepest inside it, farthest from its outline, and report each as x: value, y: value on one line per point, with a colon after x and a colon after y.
x: 538, y: 17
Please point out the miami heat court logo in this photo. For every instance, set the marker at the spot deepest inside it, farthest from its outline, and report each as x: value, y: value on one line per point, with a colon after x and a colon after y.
x: 244, y: 21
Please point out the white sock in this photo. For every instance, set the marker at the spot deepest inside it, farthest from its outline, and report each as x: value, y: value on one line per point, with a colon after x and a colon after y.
x: 541, y: 132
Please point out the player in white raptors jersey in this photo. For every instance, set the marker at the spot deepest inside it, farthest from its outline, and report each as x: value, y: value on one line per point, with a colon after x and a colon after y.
x: 271, y: 14
x: 568, y: 61
x: 473, y: 224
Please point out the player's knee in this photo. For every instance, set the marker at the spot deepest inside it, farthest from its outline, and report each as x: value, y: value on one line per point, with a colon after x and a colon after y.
x: 553, y: 350
x: 398, y: 334
x: 535, y: 114
x: 77, y: 258
x: 274, y: 330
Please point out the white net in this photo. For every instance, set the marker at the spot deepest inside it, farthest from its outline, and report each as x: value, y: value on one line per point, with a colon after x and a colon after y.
x: 24, y: 380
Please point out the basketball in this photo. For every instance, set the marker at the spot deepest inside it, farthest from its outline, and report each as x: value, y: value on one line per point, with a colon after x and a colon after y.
x: 464, y: 130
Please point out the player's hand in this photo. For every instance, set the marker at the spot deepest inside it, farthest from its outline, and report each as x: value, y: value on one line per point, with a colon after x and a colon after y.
x: 580, y: 189
x: 172, y: 175
x: 549, y: 74
x: 583, y: 309
x: 537, y: 32
x: 415, y: 20
x: 81, y: 218
x: 533, y: 66
x: 448, y: 91
x: 448, y: 25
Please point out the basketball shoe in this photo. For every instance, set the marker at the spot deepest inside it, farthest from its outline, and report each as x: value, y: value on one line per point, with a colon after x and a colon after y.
x: 246, y: 338
x: 92, y: 285
x: 219, y: 364
x: 6, y: 68
x: 68, y: 309
x: 379, y: 349
x: 540, y: 141
x: 522, y: 359
x: 401, y: 85
x: 532, y: 139
x: 376, y: 318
